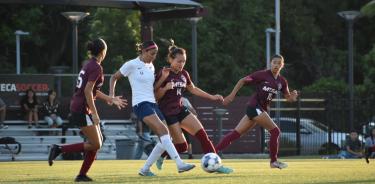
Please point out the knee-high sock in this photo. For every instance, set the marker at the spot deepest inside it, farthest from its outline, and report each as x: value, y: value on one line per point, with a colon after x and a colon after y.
x: 274, y: 143
x: 227, y: 140
x: 67, y: 148
x: 181, y: 148
x: 90, y: 156
x: 206, y: 143
x: 169, y: 147
x: 154, y: 155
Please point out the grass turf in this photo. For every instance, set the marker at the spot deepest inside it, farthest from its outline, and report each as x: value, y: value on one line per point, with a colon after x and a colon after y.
x: 255, y: 171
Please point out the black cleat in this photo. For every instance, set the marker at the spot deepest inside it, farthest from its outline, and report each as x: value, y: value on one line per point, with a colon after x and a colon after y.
x: 368, y: 153
x: 53, y: 153
x: 83, y: 178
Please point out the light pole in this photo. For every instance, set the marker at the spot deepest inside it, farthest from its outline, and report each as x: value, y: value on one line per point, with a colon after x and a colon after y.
x: 268, y: 46
x: 277, y: 51
x: 194, y: 22
x: 350, y: 17
x: 19, y: 33
x: 75, y: 17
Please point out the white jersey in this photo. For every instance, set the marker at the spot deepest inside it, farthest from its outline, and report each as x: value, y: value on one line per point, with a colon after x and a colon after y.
x: 141, y: 77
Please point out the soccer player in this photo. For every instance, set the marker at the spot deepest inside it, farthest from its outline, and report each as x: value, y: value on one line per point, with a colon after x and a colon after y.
x: 140, y: 72
x: 170, y: 85
x: 84, y: 112
x: 267, y: 84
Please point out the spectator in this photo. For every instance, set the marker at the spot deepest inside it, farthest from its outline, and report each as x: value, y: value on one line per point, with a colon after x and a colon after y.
x: 353, y: 147
x: 2, y: 114
x: 29, y: 104
x: 51, y: 110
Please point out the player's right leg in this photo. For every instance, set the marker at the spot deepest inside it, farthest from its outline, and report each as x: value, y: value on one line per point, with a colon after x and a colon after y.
x: 243, y: 126
x: 266, y: 122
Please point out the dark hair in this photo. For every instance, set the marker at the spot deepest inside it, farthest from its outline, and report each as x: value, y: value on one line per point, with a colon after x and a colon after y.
x: 174, y: 50
x: 26, y: 96
x: 96, y: 46
x: 50, y: 91
x: 278, y: 56
x: 146, y: 45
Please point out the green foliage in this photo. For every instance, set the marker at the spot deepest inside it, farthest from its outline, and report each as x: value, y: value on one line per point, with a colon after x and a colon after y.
x: 231, y: 41
x: 369, y: 9
x: 327, y: 86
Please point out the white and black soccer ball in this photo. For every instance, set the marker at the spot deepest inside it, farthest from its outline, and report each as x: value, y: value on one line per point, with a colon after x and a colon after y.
x: 210, y: 162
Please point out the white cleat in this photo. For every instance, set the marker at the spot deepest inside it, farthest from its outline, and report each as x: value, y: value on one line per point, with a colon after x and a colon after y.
x: 278, y: 164
x: 185, y: 167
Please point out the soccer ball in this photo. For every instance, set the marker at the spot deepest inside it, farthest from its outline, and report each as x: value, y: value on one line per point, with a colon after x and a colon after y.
x: 210, y: 162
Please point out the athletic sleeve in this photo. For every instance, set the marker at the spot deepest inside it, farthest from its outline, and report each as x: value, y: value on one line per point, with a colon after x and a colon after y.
x: 188, y: 79
x: 126, y: 69
x: 93, y: 73
x: 253, y: 78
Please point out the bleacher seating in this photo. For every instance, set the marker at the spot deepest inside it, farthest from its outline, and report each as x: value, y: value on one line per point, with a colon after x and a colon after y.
x: 37, y: 141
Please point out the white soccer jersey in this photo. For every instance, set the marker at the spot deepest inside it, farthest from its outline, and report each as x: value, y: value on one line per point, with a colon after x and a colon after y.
x: 141, y: 77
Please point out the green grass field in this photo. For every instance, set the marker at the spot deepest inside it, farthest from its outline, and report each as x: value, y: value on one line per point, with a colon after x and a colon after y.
x: 255, y: 171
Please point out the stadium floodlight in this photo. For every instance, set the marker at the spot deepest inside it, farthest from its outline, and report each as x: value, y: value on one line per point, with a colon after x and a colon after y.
x: 350, y: 17
x: 75, y: 17
x: 18, y: 34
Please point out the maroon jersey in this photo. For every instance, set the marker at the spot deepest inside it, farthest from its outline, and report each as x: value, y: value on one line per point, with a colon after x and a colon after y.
x: 171, y: 103
x: 266, y: 87
x: 92, y: 71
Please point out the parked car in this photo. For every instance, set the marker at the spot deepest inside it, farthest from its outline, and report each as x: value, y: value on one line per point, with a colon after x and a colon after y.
x: 313, y: 135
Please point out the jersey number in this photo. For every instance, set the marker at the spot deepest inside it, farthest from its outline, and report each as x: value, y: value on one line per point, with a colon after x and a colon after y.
x: 79, y: 79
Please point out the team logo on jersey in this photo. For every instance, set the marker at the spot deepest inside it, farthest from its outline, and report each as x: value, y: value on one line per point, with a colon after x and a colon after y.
x: 183, y: 78
x: 279, y: 86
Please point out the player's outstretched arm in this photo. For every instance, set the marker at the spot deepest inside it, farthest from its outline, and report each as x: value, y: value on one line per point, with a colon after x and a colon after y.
x: 117, y: 100
x: 198, y: 92
x: 228, y: 99
x: 112, y: 83
x: 292, y: 96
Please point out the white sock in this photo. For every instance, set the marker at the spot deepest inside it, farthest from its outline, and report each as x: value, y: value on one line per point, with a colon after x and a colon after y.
x: 155, y: 154
x: 171, y: 150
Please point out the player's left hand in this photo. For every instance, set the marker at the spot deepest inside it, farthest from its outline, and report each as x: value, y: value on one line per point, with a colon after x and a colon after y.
x: 119, y: 102
x: 165, y: 72
x: 218, y: 97
x: 294, y: 95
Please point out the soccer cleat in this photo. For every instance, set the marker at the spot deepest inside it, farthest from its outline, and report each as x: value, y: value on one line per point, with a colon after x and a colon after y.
x: 146, y: 173
x: 159, y: 163
x: 83, y: 178
x: 54, y: 152
x: 185, y: 167
x: 368, y: 152
x: 224, y: 170
x: 278, y: 164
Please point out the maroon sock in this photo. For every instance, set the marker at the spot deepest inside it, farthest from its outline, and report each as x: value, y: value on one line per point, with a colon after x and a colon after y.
x: 72, y: 148
x: 227, y: 140
x: 274, y: 143
x: 181, y: 147
x: 90, y: 156
x: 206, y: 143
